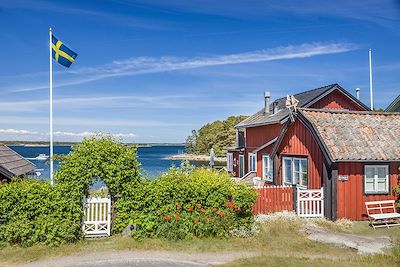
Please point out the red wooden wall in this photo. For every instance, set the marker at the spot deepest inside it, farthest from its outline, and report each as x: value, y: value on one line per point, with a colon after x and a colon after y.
x: 298, y: 141
x: 351, y: 197
x: 337, y: 100
x: 258, y: 136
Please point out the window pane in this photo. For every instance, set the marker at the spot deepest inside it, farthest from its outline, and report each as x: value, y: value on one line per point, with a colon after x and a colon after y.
x: 296, y: 177
x: 288, y: 170
x: 369, y: 172
x: 304, y: 172
x: 271, y: 168
x: 369, y: 185
x: 382, y: 172
x: 382, y: 185
x: 296, y: 165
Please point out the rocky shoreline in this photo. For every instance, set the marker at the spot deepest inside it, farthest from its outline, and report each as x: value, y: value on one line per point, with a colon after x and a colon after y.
x: 192, y: 157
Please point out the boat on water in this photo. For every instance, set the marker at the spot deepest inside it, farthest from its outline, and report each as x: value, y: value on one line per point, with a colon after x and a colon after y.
x: 40, y: 157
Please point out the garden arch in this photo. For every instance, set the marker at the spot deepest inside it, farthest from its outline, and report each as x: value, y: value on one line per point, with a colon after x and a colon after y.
x: 97, y: 158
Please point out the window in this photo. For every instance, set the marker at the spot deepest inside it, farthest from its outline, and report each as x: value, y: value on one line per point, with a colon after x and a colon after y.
x: 376, y: 179
x: 252, y: 162
x: 268, y: 168
x: 229, y: 162
x: 295, y: 171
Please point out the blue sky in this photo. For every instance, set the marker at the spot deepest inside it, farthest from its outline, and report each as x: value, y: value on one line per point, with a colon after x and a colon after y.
x: 151, y: 71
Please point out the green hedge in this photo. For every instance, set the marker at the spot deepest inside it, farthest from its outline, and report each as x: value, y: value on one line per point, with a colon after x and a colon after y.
x: 32, y: 211
x: 181, y: 205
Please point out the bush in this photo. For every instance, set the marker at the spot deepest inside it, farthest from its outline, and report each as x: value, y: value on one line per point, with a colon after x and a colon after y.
x: 179, y: 205
x: 32, y: 211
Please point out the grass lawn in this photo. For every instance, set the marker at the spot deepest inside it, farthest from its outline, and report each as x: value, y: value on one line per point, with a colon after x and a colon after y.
x: 278, y: 244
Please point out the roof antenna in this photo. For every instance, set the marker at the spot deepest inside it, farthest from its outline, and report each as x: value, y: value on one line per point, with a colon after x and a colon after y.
x: 291, y: 103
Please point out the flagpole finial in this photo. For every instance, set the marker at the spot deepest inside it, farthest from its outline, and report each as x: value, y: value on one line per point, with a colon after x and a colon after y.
x: 50, y: 29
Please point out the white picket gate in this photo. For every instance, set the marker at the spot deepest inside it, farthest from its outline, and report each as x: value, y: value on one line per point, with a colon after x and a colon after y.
x: 97, y: 217
x: 310, y: 203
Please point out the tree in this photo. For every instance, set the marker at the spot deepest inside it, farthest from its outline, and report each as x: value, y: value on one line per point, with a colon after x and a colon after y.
x: 190, y: 143
x: 218, y: 135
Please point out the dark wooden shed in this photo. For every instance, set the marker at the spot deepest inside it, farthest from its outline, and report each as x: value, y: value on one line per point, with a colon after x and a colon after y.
x: 12, y: 164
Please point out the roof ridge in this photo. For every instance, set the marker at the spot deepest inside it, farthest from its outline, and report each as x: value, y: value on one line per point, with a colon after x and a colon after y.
x: 308, y: 91
x: 364, y: 112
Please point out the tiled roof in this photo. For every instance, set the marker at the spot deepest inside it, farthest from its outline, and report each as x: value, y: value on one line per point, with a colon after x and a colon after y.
x: 357, y: 135
x: 305, y: 99
x: 12, y: 164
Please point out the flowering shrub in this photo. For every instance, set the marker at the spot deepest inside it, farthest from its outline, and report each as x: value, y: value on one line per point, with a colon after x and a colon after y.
x: 181, y: 204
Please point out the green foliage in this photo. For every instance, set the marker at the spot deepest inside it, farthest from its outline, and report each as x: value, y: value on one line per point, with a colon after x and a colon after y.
x: 396, y: 192
x: 190, y: 143
x: 181, y: 204
x: 218, y: 135
x: 32, y: 211
x: 97, y: 158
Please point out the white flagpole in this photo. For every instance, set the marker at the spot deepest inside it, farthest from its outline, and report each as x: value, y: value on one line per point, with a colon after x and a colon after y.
x: 51, y: 110
x: 370, y: 79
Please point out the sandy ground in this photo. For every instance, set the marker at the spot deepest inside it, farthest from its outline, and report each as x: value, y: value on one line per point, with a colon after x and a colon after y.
x: 142, y: 258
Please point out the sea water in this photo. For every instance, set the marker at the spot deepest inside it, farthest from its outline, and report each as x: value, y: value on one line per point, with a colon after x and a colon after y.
x: 152, y: 159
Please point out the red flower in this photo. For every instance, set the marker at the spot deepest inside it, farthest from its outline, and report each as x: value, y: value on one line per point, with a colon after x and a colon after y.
x: 221, y: 214
x: 177, y: 216
x: 196, y: 222
x: 190, y: 208
x: 214, y: 209
x: 202, y: 210
x: 166, y: 218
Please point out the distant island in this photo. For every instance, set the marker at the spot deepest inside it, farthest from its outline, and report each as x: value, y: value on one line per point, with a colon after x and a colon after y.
x: 192, y: 157
x: 46, y: 143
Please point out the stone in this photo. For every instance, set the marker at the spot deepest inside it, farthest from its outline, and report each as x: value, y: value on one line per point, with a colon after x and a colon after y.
x: 127, y: 232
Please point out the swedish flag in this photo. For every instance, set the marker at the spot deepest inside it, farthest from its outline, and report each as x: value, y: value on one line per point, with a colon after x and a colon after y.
x: 61, y: 53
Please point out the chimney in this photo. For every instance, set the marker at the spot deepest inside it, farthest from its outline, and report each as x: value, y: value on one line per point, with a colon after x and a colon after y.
x: 358, y: 93
x: 267, y: 96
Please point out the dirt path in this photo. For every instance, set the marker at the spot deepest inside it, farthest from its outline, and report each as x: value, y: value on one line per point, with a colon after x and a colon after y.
x: 363, y: 244
x: 142, y: 258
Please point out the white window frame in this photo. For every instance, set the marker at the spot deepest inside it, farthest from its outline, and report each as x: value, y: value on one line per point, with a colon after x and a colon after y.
x: 229, y: 162
x: 252, y: 162
x: 269, y: 167
x: 376, y: 180
x: 300, y: 171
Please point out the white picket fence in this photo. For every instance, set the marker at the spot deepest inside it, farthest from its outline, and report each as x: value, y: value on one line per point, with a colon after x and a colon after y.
x: 310, y: 203
x: 97, y: 217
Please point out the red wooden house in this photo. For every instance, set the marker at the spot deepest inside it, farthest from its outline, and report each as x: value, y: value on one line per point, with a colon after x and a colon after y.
x: 332, y: 141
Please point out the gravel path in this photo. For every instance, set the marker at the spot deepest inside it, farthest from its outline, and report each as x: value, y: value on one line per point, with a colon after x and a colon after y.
x: 142, y: 258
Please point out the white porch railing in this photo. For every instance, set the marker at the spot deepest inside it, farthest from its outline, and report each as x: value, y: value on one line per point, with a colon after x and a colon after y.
x: 310, y: 203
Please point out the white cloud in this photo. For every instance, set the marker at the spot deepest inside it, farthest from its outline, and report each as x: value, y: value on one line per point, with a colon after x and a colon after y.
x: 15, y: 131
x: 18, y: 134
x: 122, y: 101
x: 147, y: 65
x: 86, y: 122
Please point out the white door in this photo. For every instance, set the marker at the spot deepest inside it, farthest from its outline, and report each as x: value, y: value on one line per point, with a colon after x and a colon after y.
x: 97, y: 216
